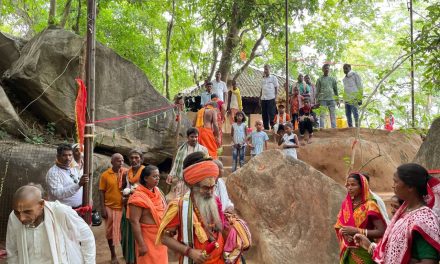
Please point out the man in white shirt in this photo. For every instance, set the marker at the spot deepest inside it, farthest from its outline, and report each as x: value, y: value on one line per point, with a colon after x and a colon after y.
x: 219, y: 87
x: 46, y: 232
x: 78, y: 158
x: 353, y: 94
x: 64, y: 181
x: 205, y: 97
x: 268, y: 96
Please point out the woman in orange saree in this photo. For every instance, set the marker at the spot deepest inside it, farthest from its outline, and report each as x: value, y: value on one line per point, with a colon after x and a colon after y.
x: 359, y: 214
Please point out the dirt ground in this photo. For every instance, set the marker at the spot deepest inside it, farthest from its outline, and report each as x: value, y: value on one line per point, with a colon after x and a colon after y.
x: 103, y: 253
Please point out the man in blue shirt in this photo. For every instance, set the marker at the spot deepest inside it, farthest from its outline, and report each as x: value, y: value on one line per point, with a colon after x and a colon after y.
x: 205, y: 97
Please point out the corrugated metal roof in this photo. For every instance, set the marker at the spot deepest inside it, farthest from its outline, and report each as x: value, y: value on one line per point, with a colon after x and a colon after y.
x: 249, y: 83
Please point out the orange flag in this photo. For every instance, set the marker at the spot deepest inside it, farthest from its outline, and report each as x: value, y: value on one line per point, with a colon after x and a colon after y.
x: 80, y: 112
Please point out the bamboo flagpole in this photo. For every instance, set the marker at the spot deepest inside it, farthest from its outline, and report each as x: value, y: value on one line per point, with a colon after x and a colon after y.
x: 90, y: 113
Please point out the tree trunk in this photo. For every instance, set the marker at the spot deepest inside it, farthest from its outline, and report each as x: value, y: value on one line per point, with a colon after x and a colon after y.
x: 214, y: 55
x: 429, y: 153
x: 78, y: 16
x: 66, y: 13
x: 52, y: 12
x: 167, y: 52
x: 251, y: 57
x: 231, y: 43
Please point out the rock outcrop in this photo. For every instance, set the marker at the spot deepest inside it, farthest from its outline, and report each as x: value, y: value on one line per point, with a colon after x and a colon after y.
x: 429, y: 153
x: 9, y: 51
x: 9, y: 120
x: 290, y: 208
x: 379, y: 153
x: 47, y: 68
x: 22, y: 163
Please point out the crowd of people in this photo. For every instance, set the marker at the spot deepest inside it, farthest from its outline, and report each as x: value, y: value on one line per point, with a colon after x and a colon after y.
x: 197, y: 218
x: 198, y: 222
x: 322, y: 97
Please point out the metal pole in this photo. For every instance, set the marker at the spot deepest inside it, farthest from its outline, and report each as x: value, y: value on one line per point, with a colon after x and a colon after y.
x: 412, y: 62
x: 287, y: 55
x: 90, y: 113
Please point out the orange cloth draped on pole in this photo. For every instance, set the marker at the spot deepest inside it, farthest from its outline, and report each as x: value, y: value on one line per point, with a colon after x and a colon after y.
x: 80, y: 112
x: 134, y: 178
x: 155, y: 202
x: 206, y: 135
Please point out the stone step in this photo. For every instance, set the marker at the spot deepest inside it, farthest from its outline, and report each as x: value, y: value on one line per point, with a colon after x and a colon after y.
x: 227, y: 150
x: 227, y: 160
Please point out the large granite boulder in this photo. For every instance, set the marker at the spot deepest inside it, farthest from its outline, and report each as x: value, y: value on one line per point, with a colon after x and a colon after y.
x: 379, y: 152
x: 429, y: 153
x: 21, y: 163
x: 9, y: 120
x: 9, y: 51
x: 47, y: 68
x: 290, y: 208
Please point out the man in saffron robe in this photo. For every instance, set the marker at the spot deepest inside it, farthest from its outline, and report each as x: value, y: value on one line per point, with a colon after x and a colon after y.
x: 146, y: 207
x: 196, y: 217
x: 206, y: 124
x: 221, y: 116
x: 128, y: 183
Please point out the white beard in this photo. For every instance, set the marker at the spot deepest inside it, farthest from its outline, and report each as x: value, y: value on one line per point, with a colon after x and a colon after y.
x: 208, y: 210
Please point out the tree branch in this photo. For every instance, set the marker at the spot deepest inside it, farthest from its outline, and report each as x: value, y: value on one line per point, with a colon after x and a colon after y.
x: 214, y: 55
x: 245, y: 31
x: 251, y: 57
x: 167, y: 51
x: 397, y: 63
x: 78, y: 16
x: 66, y: 13
x: 52, y: 12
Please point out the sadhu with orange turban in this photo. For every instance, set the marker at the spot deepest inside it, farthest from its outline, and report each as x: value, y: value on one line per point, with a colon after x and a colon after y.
x: 197, y: 216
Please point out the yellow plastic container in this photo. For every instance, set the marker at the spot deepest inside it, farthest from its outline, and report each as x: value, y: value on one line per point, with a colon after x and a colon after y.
x: 341, y: 122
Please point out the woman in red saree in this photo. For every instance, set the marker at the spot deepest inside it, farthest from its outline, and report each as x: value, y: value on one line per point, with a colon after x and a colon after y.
x: 359, y: 214
x: 413, y: 235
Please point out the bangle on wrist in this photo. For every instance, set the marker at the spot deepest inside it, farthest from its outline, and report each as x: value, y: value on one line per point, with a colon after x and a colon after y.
x: 187, y: 250
x: 371, y: 248
x: 366, y: 232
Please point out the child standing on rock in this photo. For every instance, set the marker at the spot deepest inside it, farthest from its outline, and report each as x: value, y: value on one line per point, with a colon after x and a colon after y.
x: 306, y: 119
x: 289, y: 141
x: 257, y: 140
x: 238, y: 134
